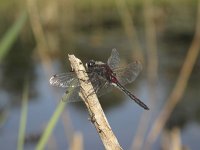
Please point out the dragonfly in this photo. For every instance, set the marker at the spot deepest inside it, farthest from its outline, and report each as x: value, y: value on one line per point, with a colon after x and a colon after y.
x: 103, y: 76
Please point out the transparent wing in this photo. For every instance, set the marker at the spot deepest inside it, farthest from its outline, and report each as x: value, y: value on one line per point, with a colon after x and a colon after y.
x: 124, y: 75
x: 72, y: 95
x: 106, y: 88
x: 129, y: 73
x: 100, y: 85
x: 113, y: 60
x: 64, y: 80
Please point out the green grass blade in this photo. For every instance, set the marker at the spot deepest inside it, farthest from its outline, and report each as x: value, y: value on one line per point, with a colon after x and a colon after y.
x: 51, y: 124
x: 22, y: 127
x: 11, y: 35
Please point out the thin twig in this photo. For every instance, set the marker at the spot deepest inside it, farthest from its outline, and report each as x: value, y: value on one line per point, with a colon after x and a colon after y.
x: 77, y: 142
x: 175, y: 139
x: 96, y: 113
x: 180, y: 85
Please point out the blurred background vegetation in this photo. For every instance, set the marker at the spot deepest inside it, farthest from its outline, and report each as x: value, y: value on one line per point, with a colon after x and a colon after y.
x: 35, y: 38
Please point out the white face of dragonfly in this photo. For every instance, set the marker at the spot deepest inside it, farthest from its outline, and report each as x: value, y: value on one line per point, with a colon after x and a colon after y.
x: 91, y: 63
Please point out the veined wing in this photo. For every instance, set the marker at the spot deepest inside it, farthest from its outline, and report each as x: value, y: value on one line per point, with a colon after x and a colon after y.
x: 113, y: 60
x: 64, y: 80
x: 129, y: 73
x: 101, y: 85
x: 124, y: 75
x: 72, y: 95
x: 106, y: 88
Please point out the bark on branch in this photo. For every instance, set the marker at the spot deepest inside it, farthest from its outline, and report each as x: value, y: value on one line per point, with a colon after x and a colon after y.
x: 90, y: 99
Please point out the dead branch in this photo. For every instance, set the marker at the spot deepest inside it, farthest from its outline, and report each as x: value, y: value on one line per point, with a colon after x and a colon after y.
x: 97, y: 115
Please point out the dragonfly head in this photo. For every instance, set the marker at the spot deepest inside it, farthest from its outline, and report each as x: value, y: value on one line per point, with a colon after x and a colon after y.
x: 90, y: 64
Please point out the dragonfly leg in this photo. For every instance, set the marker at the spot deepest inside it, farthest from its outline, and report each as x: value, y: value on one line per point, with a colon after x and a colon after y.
x: 92, y: 118
x: 86, y: 81
x: 91, y: 92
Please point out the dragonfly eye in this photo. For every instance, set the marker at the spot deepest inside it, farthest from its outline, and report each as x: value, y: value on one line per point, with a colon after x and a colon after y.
x: 91, y: 63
